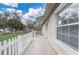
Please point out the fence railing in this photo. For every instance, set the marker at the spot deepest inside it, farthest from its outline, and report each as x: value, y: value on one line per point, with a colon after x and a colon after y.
x: 16, y: 45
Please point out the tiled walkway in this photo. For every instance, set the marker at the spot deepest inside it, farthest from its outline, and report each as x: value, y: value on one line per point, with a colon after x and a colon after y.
x: 40, y: 46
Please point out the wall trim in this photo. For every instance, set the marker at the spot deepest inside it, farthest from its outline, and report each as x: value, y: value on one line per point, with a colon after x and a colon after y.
x: 62, y: 49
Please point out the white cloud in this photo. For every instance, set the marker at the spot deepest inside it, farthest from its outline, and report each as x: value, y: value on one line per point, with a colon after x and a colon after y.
x: 32, y: 14
x: 10, y: 9
x: 25, y: 16
x: 11, y: 4
x: 36, y: 12
x: 1, y: 12
x: 24, y: 21
x: 19, y: 12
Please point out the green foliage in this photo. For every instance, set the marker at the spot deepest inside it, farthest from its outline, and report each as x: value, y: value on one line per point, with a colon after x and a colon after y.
x: 30, y: 26
x: 15, y: 24
x: 6, y: 36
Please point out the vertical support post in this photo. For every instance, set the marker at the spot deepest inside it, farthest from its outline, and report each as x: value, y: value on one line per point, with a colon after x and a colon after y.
x: 0, y: 48
x: 33, y: 28
x: 5, y: 50
x: 9, y: 47
x: 13, y: 46
x: 22, y: 44
x: 33, y: 33
x: 16, y: 46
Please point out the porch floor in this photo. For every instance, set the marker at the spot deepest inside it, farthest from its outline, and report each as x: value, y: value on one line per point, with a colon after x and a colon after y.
x: 40, y: 46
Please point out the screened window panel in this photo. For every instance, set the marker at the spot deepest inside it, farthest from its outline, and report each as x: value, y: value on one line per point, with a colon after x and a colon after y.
x: 73, y: 41
x: 73, y: 35
x: 73, y: 30
x: 64, y: 22
x: 59, y: 32
x: 65, y: 30
x: 68, y: 26
x: 73, y: 20
x: 65, y: 38
x: 59, y: 36
x: 65, y: 34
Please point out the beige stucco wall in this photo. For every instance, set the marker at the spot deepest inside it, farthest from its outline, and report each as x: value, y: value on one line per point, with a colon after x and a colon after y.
x: 51, y: 34
x: 44, y: 32
x: 51, y: 30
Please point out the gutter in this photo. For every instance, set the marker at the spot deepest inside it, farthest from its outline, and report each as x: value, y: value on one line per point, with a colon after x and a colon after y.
x: 49, y: 11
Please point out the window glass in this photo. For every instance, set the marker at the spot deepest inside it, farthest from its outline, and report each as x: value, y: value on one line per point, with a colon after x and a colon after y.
x: 46, y: 25
x: 68, y: 31
x: 73, y: 35
x: 73, y: 41
x: 59, y: 34
x: 73, y: 30
x: 69, y: 15
x: 65, y: 33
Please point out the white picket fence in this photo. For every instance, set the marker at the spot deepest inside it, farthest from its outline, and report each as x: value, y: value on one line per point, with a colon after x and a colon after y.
x: 15, y: 46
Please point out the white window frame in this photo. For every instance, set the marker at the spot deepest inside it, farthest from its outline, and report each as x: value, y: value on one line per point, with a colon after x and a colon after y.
x: 61, y: 8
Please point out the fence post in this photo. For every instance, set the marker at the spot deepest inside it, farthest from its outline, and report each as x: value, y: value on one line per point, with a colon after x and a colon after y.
x: 0, y: 48
x: 13, y: 46
x: 16, y: 46
x: 19, y: 44
x: 5, y: 50
x: 9, y: 47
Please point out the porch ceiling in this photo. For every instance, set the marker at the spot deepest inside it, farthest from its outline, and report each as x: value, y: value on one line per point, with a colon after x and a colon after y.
x: 50, y: 8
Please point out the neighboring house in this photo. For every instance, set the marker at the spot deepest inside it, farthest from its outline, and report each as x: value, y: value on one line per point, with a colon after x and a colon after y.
x: 1, y: 30
x: 39, y: 19
x: 38, y: 22
x: 60, y: 26
x: 3, y: 19
x: 24, y: 20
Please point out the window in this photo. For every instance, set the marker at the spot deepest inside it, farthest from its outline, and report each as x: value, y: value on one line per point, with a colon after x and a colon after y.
x: 46, y: 25
x: 67, y: 26
x: 59, y: 33
x: 65, y: 34
x: 73, y: 35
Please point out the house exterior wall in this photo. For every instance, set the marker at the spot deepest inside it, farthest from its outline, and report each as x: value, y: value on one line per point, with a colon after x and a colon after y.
x: 51, y: 34
x: 44, y: 32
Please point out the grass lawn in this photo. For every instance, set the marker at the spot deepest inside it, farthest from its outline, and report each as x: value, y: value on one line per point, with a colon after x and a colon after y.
x: 8, y: 36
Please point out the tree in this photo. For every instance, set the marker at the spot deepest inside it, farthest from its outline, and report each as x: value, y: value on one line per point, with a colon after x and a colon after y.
x: 30, y: 26
x: 15, y: 24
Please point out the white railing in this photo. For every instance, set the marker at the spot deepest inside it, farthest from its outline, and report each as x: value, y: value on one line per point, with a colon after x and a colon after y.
x: 15, y: 46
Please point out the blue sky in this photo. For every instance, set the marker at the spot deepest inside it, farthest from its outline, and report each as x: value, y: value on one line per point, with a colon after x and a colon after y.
x: 26, y: 6
x: 23, y: 6
x: 26, y: 10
